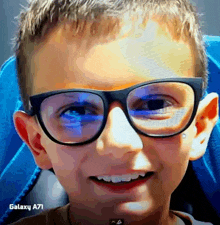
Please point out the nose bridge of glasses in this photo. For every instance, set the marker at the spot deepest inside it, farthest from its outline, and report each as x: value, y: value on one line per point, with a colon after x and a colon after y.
x: 116, y: 96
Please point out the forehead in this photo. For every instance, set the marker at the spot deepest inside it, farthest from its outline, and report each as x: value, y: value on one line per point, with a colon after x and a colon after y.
x: 62, y: 63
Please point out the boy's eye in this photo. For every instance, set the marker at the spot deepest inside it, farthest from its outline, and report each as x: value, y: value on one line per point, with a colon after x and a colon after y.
x: 155, y: 103
x: 77, y: 111
x: 79, y: 108
x: 154, y: 107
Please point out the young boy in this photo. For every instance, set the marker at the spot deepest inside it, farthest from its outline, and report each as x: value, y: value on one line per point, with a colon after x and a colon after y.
x: 116, y: 108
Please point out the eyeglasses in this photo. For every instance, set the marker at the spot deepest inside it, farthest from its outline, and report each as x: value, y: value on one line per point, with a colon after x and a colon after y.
x: 159, y: 108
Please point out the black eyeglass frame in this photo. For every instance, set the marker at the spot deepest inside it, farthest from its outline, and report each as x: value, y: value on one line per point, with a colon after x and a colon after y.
x: 108, y: 97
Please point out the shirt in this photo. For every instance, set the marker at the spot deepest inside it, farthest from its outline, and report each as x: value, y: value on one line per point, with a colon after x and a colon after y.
x: 59, y: 216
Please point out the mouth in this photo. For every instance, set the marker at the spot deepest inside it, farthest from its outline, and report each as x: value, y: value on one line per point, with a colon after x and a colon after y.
x: 122, y: 186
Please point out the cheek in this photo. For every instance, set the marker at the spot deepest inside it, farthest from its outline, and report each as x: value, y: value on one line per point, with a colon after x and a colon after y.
x: 66, y: 162
x: 174, y: 151
x: 173, y: 155
x: 62, y: 157
x: 67, y: 167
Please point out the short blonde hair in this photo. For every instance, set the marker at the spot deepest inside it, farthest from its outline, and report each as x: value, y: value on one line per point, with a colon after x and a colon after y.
x: 103, y: 18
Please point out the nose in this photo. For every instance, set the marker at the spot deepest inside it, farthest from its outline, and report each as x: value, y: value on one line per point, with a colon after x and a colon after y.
x: 118, y: 137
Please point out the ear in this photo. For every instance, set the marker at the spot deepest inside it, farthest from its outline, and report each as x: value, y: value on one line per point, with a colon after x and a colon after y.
x: 28, y: 129
x: 206, y: 118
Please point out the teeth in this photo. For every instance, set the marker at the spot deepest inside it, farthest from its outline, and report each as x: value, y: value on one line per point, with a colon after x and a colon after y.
x: 106, y: 179
x: 115, y: 179
x: 126, y: 178
x: 135, y: 176
x: 122, y: 178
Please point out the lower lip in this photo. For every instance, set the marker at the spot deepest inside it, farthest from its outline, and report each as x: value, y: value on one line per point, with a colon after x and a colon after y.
x: 122, y: 187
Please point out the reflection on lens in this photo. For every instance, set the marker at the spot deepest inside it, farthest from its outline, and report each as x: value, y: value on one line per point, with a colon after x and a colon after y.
x: 161, y: 108
x: 73, y: 117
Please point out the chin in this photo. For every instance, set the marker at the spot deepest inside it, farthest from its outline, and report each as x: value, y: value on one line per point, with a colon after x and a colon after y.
x: 134, y: 208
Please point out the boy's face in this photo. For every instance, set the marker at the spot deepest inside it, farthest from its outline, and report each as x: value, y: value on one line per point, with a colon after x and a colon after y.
x: 60, y: 64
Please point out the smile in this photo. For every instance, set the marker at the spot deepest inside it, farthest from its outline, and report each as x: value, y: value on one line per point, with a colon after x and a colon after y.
x: 128, y: 178
x: 122, y: 178
x: 123, y: 186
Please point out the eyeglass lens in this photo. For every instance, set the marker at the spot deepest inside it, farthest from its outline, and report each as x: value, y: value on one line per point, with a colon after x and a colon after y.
x: 161, y: 109
x: 156, y: 109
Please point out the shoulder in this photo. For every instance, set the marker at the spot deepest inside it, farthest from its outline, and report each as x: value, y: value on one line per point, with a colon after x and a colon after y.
x: 189, y: 219
x: 54, y: 216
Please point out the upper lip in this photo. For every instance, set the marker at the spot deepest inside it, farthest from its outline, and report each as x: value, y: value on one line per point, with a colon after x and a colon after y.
x: 124, y: 172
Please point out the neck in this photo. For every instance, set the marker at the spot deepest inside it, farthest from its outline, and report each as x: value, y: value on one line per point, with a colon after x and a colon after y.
x: 87, y: 217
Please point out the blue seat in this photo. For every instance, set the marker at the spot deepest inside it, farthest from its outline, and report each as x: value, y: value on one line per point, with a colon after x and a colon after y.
x: 19, y: 185
x: 23, y: 182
